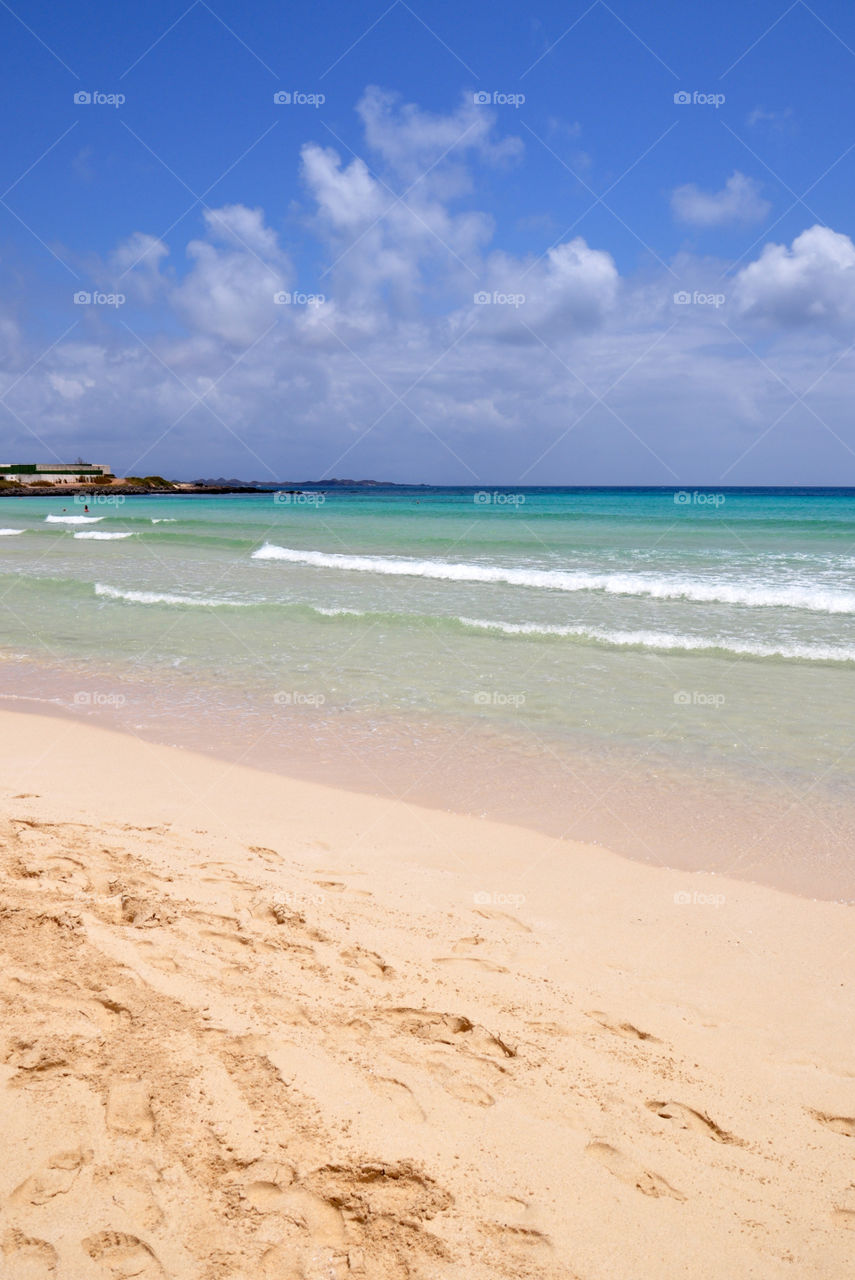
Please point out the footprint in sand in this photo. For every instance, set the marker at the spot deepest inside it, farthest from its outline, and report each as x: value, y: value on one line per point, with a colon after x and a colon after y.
x: 402, y: 1098
x: 625, y: 1029
x: 27, y: 1259
x: 56, y: 1178
x: 269, y: 1184
x: 843, y: 1213
x: 460, y: 1086
x: 319, y: 1216
x: 270, y: 856
x: 522, y: 1247
x: 397, y: 1191
x: 123, y: 1256
x: 281, y: 1262
x: 503, y: 918
x: 446, y: 1028
x: 630, y: 1173
x: 367, y: 961
x: 466, y: 964
x: 844, y: 1125
x: 688, y: 1118
x: 129, y: 1109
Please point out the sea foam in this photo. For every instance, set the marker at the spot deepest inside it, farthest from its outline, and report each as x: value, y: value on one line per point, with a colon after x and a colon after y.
x: 104, y: 537
x: 73, y: 519
x: 819, y: 599
x: 165, y: 597
x: 665, y: 641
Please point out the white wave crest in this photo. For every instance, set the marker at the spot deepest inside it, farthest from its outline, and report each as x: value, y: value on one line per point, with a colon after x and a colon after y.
x: 665, y: 641
x: 10, y: 533
x: 73, y: 519
x: 659, y: 587
x: 165, y: 597
x: 104, y: 537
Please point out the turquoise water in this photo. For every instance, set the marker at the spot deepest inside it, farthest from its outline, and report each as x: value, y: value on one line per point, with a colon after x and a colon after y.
x: 715, y: 629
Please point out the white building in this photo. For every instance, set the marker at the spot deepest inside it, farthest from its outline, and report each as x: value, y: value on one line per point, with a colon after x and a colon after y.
x: 52, y: 472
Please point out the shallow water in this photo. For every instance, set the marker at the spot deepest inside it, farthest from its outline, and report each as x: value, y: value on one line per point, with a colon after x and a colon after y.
x: 699, y: 647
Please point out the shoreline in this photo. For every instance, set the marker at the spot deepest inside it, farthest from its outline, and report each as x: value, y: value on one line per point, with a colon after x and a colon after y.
x: 652, y: 811
x: 284, y: 1027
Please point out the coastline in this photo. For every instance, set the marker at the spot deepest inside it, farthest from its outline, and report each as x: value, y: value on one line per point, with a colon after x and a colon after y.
x: 677, y: 814
x: 297, y: 1031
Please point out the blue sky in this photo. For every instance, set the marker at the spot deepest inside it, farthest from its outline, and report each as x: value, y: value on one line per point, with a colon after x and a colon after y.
x: 670, y: 284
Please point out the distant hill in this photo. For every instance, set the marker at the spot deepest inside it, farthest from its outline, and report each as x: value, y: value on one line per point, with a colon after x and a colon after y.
x: 232, y: 483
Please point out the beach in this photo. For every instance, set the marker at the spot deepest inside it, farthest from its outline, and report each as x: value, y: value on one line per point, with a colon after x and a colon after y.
x: 666, y: 673
x: 258, y: 1027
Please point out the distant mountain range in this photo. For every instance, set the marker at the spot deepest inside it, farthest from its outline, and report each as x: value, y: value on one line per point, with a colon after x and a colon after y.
x: 222, y: 483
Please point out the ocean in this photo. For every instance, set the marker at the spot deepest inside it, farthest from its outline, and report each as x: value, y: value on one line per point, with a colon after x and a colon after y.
x: 667, y: 672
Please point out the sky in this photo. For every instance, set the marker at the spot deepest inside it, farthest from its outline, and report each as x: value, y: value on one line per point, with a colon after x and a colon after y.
x: 585, y: 243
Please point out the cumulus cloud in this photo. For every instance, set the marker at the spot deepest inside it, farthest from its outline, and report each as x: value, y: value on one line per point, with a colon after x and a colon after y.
x: 237, y: 271
x: 739, y: 201
x: 570, y: 290
x: 400, y: 374
x: 812, y: 282
x: 412, y: 141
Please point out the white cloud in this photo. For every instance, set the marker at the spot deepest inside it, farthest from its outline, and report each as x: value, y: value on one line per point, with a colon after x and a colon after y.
x: 812, y: 282
x: 571, y: 289
x: 229, y: 292
x: 487, y: 389
x: 739, y: 201
x: 775, y: 119
x: 412, y: 141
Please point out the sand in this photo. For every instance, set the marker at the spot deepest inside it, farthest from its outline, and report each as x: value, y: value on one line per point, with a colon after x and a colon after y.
x: 264, y: 1029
